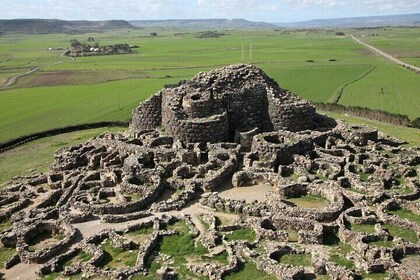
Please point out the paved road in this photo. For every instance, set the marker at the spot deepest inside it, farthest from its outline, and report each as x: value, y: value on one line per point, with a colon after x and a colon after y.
x: 387, y: 56
x: 13, y: 79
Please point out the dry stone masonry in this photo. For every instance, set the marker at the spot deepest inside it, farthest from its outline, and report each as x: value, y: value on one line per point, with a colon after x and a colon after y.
x: 223, y: 105
x: 245, y: 170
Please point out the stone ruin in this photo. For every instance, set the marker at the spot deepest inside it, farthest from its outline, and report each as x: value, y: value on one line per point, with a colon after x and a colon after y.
x: 228, y: 152
x: 231, y: 104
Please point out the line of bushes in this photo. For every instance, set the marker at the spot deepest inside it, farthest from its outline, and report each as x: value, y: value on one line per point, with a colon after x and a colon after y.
x: 4, y: 146
x: 372, y: 114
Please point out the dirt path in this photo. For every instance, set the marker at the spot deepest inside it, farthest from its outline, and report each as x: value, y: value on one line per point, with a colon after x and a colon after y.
x: 387, y: 56
x: 90, y: 228
x: 22, y: 271
x: 12, y: 80
x: 337, y: 96
x: 199, y: 225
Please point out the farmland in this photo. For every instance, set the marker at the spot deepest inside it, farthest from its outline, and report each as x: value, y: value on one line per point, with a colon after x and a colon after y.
x: 314, y: 64
x: 402, y: 43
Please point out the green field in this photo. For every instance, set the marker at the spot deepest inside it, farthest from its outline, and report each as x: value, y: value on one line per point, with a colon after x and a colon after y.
x: 367, y: 91
x: 30, y: 110
x: 314, y: 64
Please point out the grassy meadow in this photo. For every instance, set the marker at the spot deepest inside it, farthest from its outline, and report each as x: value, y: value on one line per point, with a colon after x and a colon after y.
x: 314, y: 64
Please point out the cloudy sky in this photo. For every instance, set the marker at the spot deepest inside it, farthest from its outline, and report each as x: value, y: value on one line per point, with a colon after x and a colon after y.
x: 256, y: 10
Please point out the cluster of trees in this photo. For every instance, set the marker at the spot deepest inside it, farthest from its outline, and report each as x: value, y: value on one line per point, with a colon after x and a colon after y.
x: 74, y: 43
x: 77, y: 47
x: 378, y: 115
x: 209, y: 34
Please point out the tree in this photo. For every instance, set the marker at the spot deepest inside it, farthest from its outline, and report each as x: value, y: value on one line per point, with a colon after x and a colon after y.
x: 74, y: 43
x: 153, y: 34
x: 85, y: 47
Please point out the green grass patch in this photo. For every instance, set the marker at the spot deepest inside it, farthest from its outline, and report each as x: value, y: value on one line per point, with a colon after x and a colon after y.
x: 340, y: 260
x: 407, y: 235
x: 364, y: 177
x: 180, y: 244
x: 221, y: 258
x: 131, y: 196
x: 406, y: 214
x: 206, y: 225
x: 38, y: 155
x: 84, y: 256
x: 382, y: 243
x: 5, y: 224
x: 179, y: 247
x: 116, y: 257
x: 140, y: 232
x: 293, y: 235
x: 241, y: 234
x: 296, y: 259
x: 338, y: 255
x: 374, y: 276
x: 367, y: 228
x: 308, y: 201
x: 6, y: 253
x: 51, y: 276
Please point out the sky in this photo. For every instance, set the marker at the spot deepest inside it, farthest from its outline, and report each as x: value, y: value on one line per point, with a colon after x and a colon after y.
x: 255, y: 10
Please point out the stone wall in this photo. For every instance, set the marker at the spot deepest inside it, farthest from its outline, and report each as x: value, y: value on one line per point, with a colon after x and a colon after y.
x: 148, y: 114
x: 292, y: 115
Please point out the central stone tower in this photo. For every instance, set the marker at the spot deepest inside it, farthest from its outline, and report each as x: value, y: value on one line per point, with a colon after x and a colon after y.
x: 229, y: 104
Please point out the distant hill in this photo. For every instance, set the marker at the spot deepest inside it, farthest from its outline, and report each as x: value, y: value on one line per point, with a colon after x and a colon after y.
x: 373, y: 21
x: 202, y: 24
x: 46, y: 26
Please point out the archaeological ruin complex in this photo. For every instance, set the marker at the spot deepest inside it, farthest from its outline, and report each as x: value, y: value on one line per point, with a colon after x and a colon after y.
x: 245, y: 171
